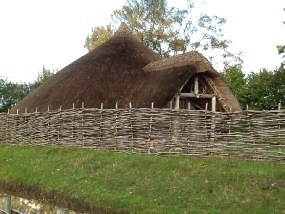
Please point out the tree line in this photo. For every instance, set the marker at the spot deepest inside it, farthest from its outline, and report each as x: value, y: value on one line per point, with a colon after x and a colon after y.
x: 11, y: 93
x: 262, y: 90
x: 169, y: 31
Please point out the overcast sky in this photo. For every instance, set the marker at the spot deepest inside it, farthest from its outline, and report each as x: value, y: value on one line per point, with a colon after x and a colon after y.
x: 52, y: 32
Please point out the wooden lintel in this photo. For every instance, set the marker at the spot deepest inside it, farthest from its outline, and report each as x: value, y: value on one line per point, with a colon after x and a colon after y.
x: 193, y: 95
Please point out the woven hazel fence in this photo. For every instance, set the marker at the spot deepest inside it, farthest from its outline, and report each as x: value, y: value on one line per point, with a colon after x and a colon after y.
x: 247, y: 134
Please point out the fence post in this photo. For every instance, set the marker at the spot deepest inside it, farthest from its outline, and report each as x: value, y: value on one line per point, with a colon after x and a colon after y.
x: 5, y: 203
x: 62, y: 211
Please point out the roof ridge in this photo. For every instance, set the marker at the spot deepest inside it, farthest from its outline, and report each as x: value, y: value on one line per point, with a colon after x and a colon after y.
x: 188, y: 58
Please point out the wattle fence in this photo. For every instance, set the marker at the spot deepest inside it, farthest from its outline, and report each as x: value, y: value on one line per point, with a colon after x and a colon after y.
x: 248, y: 134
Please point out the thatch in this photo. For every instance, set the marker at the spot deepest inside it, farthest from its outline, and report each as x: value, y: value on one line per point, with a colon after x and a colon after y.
x: 200, y: 65
x: 122, y: 70
x: 192, y: 58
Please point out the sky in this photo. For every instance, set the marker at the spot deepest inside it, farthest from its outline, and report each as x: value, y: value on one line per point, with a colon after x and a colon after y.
x: 51, y: 33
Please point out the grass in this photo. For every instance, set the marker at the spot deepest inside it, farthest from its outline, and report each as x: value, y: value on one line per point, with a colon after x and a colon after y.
x: 147, y: 184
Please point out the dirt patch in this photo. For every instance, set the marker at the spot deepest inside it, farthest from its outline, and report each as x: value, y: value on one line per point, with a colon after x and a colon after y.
x: 274, y: 183
x: 52, y: 198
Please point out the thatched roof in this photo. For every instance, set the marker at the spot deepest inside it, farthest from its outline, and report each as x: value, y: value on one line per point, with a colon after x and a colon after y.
x: 122, y: 70
x: 200, y: 65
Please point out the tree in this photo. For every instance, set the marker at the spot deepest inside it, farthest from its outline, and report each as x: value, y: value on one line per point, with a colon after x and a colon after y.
x: 278, y: 85
x: 154, y: 23
x: 258, y: 90
x: 265, y: 89
x: 168, y: 30
x: 11, y: 93
x: 236, y: 80
x: 99, y: 36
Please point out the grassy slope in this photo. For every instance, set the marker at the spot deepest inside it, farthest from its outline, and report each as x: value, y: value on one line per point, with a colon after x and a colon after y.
x: 148, y: 184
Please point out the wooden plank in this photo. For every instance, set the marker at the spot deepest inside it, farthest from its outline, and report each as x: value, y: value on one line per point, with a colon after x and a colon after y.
x: 5, y: 203
x: 193, y: 95
x: 62, y: 211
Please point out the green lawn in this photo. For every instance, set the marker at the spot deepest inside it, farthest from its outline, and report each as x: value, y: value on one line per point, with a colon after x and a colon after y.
x: 147, y: 184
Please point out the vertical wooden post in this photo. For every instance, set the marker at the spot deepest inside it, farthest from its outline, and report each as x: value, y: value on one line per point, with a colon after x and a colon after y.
x: 116, y: 105
x: 189, y: 105
x: 206, y: 107
x: 5, y: 203
x: 82, y: 105
x: 130, y: 105
x: 26, y: 110
x: 279, y: 106
x: 62, y: 211
x: 196, y: 85
x: 102, y: 106
x: 170, y: 105
x: 152, y: 104
x: 214, y: 104
x: 17, y: 111
x: 177, y: 101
